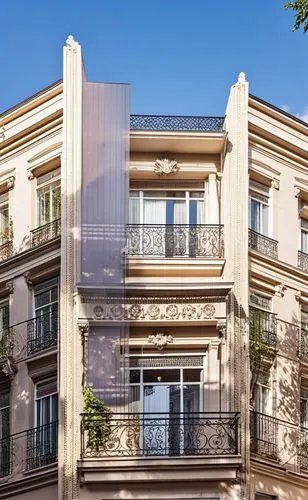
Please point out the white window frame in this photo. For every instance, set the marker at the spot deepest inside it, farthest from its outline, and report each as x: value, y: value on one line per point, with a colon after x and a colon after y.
x: 303, y: 230
x: 53, y: 181
x: 50, y: 396
x: 186, y: 197
x: 259, y: 193
x: 5, y: 235
x: 261, y: 388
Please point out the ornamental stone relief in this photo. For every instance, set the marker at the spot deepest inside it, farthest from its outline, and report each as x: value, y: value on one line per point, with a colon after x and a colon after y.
x: 154, y: 312
x: 160, y: 340
x: 165, y: 166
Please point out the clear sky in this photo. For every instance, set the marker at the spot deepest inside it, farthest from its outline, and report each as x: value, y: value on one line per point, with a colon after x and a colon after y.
x: 181, y: 56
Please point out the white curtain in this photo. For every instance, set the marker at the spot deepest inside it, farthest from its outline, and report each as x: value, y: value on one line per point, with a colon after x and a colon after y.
x: 200, y: 212
x: 179, y: 214
x: 154, y: 211
x: 134, y: 211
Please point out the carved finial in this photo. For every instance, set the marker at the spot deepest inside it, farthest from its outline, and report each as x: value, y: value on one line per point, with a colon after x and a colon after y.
x: 241, y: 78
x: 70, y: 42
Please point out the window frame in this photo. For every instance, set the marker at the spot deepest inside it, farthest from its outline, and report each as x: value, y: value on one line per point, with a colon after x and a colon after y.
x: 54, y: 181
x: 259, y: 192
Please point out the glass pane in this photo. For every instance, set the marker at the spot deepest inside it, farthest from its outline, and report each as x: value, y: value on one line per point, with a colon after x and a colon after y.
x: 161, y: 376
x: 304, y: 241
x: 265, y: 211
x: 134, y: 376
x: 255, y: 211
x: 179, y: 216
x: 134, y: 211
x: 56, y: 203
x: 154, y: 212
x: 192, y: 375
x: 134, y: 399
x: 196, y: 194
x: 191, y: 399
x: 155, y: 194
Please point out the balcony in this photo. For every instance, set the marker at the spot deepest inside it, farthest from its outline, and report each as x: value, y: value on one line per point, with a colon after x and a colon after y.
x: 29, y: 450
x: 303, y: 344
x: 42, y: 332
x: 177, y: 123
x: 45, y: 233
x: 303, y: 261
x: 262, y: 244
x: 190, y: 241
x: 262, y: 327
x: 6, y: 250
x: 263, y: 435
x: 155, y: 435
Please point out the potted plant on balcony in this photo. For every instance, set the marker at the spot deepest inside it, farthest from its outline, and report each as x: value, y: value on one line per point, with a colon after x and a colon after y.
x: 97, y: 420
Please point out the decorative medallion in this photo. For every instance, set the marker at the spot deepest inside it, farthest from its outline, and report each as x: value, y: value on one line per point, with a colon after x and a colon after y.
x: 209, y: 310
x: 160, y: 340
x: 116, y: 311
x: 135, y: 311
x: 189, y: 311
x: 172, y: 310
x: 98, y: 311
x: 153, y: 311
x: 165, y: 166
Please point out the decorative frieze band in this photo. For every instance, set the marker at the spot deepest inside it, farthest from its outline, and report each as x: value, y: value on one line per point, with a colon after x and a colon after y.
x: 149, y: 309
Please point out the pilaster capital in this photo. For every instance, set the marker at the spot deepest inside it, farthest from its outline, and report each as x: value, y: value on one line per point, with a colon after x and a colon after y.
x: 10, y: 286
x: 280, y: 289
x: 214, y: 344
x: 83, y: 327
x: 28, y: 280
x: 221, y: 328
x: 275, y: 184
x: 297, y: 192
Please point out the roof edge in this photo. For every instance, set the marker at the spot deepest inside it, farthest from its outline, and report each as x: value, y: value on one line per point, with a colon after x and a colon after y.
x: 279, y: 110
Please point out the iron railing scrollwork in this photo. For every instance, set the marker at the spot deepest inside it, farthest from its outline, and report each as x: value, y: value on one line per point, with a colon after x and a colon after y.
x: 6, y: 250
x: 262, y: 326
x: 303, y: 344
x: 263, y: 435
x: 29, y: 450
x: 262, y: 244
x: 46, y: 233
x: 152, y: 434
x: 177, y: 123
x: 42, y: 332
x: 175, y: 240
x: 303, y: 261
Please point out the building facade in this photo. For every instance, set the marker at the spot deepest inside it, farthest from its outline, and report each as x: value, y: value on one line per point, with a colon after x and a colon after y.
x: 153, y: 298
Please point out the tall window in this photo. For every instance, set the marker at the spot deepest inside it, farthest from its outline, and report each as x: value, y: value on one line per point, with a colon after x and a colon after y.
x: 304, y: 408
x: 5, y: 233
x: 49, y: 197
x: 43, y: 329
x: 46, y: 402
x: 262, y: 401
x: 166, y: 207
x: 304, y: 235
x: 259, y: 208
x: 4, y: 432
x: 169, y: 394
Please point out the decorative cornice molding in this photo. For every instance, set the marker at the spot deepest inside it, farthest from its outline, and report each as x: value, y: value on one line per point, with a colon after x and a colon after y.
x: 160, y: 340
x: 166, y: 166
x: 2, y: 133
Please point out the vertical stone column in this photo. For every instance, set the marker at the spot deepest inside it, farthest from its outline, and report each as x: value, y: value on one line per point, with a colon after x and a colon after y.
x: 213, y: 378
x: 213, y: 200
x: 70, y: 345
x: 235, y: 210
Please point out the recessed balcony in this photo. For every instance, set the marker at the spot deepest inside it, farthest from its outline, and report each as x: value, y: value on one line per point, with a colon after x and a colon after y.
x: 156, y: 250
x: 157, y: 435
x: 303, y: 261
x: 29, y: 450
x: 45, y: 233
x: 262, y: 327
x: 262, y: 244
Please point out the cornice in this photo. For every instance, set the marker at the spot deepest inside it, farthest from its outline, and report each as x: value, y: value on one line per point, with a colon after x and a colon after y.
x: 279, y: 472
x: 45, y: 136
x: 30, y: 481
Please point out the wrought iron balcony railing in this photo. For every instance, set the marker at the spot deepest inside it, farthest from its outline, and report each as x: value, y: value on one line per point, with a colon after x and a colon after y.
x: 42, y: 332
x: 303, y: 261
x: 6, y: 343
x: 263, y: 435
x: 303, y: 344
x: 29, y: 449
x: 152, y: 434
x: 46, y: 233
x: 262, y: 327
x: 262, y: 244
x: 303, y: 450
x: 177, y: 123
x: 6, y: 250
x: 175, y: 240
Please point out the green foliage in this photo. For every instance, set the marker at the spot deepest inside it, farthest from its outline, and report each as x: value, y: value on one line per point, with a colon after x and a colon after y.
x: 6, y: 344
x: 97, y: 420
x: 301, y: 13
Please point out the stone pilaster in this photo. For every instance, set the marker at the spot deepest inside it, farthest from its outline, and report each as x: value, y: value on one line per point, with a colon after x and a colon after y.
x: 70, y: 345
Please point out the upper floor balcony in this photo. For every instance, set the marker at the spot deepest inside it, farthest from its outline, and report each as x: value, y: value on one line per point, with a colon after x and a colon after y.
x: 28, y: 450
x: 303, y: 261
x: 262, y: 327
x: 177, y: 123
x: 45, y: 233
x: 157, y: 435
x: 262, y: 244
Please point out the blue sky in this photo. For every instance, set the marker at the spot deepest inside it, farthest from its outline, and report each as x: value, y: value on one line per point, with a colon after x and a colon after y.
x: 181, y: 56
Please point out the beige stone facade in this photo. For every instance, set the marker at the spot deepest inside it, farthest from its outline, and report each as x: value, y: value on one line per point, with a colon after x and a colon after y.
x: 199, y: 345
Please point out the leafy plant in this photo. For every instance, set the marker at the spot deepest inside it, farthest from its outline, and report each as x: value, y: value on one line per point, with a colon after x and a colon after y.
x: 301, y: 17
x: 7, y: 234
x: 97, y: 420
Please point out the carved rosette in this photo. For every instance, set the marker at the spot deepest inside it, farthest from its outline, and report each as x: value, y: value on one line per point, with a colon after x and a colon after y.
x: 160, y: 340
x: 165, y: 166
